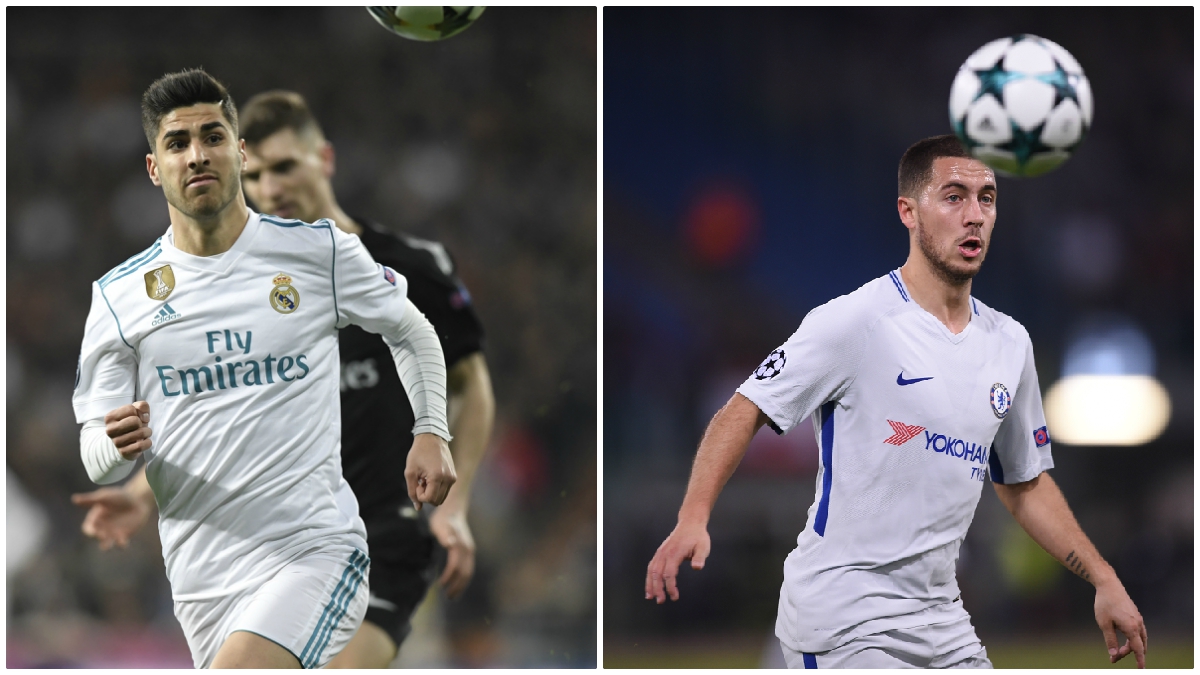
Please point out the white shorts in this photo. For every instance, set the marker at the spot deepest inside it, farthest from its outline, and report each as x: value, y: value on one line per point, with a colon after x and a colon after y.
x: 949, y: 644
x: 311, y: 607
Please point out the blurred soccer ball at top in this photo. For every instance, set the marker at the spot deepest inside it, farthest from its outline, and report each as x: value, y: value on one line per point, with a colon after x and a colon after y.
x: 426, y: 23
x: 1021, y: 105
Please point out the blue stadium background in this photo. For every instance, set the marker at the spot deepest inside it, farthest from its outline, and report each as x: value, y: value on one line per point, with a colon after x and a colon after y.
x: 750, y: 174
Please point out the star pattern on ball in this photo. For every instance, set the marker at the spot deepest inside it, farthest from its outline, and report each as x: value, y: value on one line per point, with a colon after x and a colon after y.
x: 992, y: 81
x: 1063, y: 89
x: 1025, y: 144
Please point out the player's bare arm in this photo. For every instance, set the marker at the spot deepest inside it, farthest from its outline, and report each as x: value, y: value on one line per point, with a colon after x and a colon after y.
x: 116, y: 514
x: 471, y: 407
x: 721, y: 450
x: 1040, y: 508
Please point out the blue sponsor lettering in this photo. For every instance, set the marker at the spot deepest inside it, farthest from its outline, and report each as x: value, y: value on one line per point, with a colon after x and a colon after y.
x: 163, y: 379
x: 956, y: 447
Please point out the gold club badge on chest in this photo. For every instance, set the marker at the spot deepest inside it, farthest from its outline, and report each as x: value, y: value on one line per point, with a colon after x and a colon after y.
x: 284, y: 296
x: 160, y: 282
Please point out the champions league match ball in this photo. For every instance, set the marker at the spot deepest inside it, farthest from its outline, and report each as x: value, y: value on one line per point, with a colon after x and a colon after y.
x: 1021, y: 105
x: 426, y: 23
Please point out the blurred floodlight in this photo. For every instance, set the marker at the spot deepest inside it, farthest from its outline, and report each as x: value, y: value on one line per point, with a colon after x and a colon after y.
x: 1109, y: 346
x: 1107, y: 409
x: 1108, y: 394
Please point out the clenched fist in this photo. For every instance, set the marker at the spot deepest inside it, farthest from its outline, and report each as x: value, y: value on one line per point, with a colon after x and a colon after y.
x: 129, y: 429
x: 429, y: 472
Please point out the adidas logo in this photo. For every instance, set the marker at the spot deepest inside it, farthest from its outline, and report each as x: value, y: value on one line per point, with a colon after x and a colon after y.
x: 164, y: 315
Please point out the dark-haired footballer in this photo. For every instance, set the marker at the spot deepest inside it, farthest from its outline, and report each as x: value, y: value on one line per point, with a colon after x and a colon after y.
x: 918, y: 391
x: 226, y: 331
x: 288, y: 172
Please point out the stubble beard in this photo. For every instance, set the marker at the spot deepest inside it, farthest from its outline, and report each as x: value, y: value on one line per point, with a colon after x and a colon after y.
x: 201, y: 209
x: 942, y: 268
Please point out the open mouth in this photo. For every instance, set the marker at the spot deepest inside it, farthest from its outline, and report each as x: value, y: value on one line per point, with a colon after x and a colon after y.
x: 971, y: 247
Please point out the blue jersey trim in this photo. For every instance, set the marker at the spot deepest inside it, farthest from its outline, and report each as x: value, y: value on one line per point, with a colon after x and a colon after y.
x: 827, y: 462
x: 899, y: 286
x: 975, y: 306
x: 296, y: 223
x: 339, y: 602
x: 997, y: 470
x: 118, y: 321
x: 337, y: 315
x: 810, y: 661
x: 130, y: 266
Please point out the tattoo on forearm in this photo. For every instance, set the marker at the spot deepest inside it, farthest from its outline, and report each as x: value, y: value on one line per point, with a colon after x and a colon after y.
x: 1074, y: 564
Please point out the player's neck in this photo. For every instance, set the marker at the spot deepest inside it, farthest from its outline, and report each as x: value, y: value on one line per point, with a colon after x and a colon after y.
x: 344, y: 222
x: 209, y: 236
x: 948, y: 303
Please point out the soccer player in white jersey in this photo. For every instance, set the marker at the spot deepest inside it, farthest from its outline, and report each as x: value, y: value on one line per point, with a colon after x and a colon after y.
x: 917, y: 391
x: 222, y: 337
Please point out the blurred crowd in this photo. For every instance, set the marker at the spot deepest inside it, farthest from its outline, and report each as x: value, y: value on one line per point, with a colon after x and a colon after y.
x: 485, y: 142
x: 750, y: 175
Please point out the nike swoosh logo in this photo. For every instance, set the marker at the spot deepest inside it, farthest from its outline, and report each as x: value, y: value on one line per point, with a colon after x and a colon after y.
x: 902, y: 382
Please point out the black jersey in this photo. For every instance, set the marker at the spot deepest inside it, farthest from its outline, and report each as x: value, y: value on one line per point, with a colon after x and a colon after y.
x: 377, y: 419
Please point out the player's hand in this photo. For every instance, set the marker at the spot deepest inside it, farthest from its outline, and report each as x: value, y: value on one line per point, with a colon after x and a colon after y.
x: 429, y: 472
x: 687, y: 540
x: 113, y: 516
x: 1115, y: 611
x: 454, y: 535
x: 129, y: 428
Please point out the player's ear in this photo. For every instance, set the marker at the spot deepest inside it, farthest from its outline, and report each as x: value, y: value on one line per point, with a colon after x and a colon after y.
x: 242, y: 153
x: 907, y: 207
x: 152, y: 169
x: 328, y: 159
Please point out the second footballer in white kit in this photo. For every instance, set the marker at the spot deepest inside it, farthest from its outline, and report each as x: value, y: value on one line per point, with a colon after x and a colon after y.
x: 225, y: 330
x: 918, y: 393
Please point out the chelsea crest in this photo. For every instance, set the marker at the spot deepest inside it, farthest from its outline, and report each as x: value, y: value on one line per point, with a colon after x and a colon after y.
x: 1001, y: 400
x: 284, y: 296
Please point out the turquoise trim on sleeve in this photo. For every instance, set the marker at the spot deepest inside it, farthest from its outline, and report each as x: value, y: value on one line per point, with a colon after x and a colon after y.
x: 337, y: 315
x: 130, y: 266
x: 114, y: 315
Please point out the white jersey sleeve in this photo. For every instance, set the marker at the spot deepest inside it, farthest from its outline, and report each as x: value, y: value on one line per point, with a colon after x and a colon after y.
x: 373, y: 297
x: 107, y: 374
x: 816, y: 364
x: 1021, y: 449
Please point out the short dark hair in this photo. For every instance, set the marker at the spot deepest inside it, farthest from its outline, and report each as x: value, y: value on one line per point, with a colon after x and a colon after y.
x: 180, y: 90
x: 276, y: 110
x: 916, y: 166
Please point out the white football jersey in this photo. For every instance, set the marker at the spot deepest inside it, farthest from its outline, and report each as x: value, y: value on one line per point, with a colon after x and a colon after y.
x: 237, y: 356
x: 909, y: 418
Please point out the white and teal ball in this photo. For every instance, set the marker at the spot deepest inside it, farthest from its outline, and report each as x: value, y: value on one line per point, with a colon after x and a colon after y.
x: 1021, y: 105
x: 426, y: 23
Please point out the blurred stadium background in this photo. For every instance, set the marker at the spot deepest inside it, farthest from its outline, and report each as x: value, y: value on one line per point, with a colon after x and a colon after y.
x: 486, y: 142
x: 750, y: 175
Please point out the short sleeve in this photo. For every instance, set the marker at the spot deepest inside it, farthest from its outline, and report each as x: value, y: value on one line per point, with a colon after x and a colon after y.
x: 816, y: 365
x: 1021, y: 449
x: 106, y: 377
x: 367, y: 294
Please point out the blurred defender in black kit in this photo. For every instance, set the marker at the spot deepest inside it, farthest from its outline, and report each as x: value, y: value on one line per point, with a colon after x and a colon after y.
x: 288, y: 173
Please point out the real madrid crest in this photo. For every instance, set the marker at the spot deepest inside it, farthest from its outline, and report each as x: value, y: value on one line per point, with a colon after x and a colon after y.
x: 160, y: 282
x: 1000, y: 399
x: 284, y: 297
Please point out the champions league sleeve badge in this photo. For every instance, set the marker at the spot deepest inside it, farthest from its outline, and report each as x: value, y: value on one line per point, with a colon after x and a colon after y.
x: 160, y: 282
x: 1000, y: 399
x: 284, y: 297
x: 388, y: 275
x: 772, y: 366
